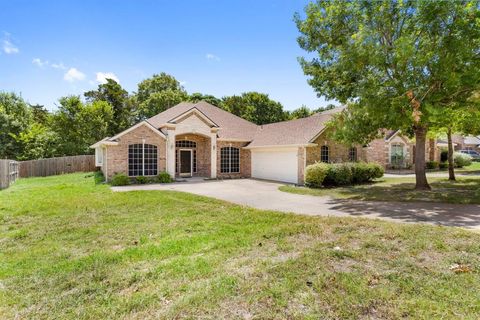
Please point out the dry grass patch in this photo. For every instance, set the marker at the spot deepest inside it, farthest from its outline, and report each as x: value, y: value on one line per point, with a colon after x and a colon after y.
x: 71, y: 249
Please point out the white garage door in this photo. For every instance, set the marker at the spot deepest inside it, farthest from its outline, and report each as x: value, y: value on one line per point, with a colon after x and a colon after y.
x: 275, y: 164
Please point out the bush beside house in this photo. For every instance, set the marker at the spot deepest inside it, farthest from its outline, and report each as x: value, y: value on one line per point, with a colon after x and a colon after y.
x: 461, y: 160
x: 340, y: 174
x: 121, y: 179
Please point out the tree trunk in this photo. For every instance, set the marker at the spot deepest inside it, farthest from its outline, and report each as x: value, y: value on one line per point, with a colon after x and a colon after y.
x: 420, y: 173
x: 451, y: 170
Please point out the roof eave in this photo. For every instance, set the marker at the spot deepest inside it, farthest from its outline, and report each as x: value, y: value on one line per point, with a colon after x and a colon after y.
x: 282, y: 146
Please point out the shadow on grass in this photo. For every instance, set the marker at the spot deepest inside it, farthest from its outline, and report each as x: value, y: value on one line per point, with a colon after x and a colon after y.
x: 448, y: 203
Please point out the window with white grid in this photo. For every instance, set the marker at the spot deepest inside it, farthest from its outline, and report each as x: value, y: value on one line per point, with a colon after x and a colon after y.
x: 142, y: 160
x: 352, y: 154
x: 230, y: 160
x: 324, y: 156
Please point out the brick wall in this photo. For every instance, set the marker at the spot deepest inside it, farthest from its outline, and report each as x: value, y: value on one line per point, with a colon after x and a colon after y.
x: 117, y: 156
x: 245, y: 160
x: 203, y: 153
x: 337, y: 152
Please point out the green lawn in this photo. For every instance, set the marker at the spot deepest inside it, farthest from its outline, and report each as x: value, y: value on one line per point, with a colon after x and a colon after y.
x: 465, y: 190
x: 70, y: 249
x: 475, y: 166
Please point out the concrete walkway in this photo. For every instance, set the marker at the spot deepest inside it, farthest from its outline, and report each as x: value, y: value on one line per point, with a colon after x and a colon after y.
x: 265, y: 195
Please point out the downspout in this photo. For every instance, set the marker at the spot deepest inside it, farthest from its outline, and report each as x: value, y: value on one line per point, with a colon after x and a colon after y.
x: 106, y: 164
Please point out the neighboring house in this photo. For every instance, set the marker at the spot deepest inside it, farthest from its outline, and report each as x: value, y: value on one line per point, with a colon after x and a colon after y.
x: 466, y: 143
x: 199, y: 139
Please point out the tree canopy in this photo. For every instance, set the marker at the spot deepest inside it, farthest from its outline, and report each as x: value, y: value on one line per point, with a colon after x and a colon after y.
x: 157, y: 94
x: 393, y: 62
x: 118, y: 98
x: 255, y: 107
x: 15, y: 117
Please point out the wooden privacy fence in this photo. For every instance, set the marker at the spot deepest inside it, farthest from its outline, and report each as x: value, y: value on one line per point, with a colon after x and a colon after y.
x: 8, y: 173
x: 54, y: 166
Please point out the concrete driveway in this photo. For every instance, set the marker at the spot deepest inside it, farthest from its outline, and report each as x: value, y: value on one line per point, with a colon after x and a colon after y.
x: 265, y: 195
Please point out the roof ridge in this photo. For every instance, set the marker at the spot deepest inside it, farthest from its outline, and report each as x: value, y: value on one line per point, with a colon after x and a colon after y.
x: 292, y: 120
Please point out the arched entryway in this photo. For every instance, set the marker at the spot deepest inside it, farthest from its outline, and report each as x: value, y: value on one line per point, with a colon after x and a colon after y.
x: 192, y: 156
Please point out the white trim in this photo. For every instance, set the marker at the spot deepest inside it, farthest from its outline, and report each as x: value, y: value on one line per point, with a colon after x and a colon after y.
x: 106, y: 165
x: 230, y: 160
x: 195, y: 111
x: 394, y: 135
x: 282, y: 146
x: 98, y: 157
x: 180, y: 163
x: 103, y: 142
x: 233, y: 140
x: 143, y: 123
x: 143, y: 160
x: 317, y: 135
x: 404, y: 150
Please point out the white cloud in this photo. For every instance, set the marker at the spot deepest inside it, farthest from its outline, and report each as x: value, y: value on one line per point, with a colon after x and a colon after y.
x: 211, y: 56
x: 103, y: 76
x: 182, y: 83
x: 58, y: 66
x: 7, y: 45
x: 39, y: 63
x: 73, y: 75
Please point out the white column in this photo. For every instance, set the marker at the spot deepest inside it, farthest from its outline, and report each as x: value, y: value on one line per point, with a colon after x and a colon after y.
x: 171, y: 152
x: 213, y: 155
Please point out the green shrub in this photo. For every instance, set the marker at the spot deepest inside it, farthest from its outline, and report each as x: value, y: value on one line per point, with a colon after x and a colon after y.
x: 461, y: 160
x: 164, y: 177
x: 98, y: 177
x: 120, y: 179
x: 315, y: 174
x: 338, y: 174
x: 376, y: 171
x: 443, y: 165
x: 432, y: 165
x: 364, y: 172
x: 141, y: 180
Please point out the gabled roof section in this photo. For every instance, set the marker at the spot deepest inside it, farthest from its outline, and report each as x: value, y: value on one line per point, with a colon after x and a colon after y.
x: 230, y: 126
x: 293, y: 132
x: 390, y: 134
x: 142, y: 123
x: 196, y: 111
x: 113, y: 140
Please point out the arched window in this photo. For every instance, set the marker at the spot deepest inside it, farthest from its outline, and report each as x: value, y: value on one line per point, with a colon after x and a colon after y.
x: 186, y: 144
x: 324, y: 156
x: 396, y: 154
x: 352, y: 154
x: 142, y: 160
x: 229, y: 160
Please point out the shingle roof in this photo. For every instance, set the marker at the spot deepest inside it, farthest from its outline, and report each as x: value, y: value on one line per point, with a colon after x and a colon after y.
x: 472, y: 140
x: 231, y: 126
x: 292, y: 132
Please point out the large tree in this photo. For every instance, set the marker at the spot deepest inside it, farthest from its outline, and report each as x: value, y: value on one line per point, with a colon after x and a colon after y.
x: 15, y: 117
x: 113, y: 93
x: 79, y: 125
x: 392, y: 61
x: 157, y: 94
x: 301, y: 112
x: 255, y: 107
x: 197, y: 97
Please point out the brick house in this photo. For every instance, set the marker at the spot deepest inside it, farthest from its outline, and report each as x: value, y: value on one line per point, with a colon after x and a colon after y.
x: 199, y: 139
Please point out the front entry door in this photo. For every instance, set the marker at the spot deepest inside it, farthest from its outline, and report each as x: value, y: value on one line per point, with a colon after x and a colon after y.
x: 186, y: 163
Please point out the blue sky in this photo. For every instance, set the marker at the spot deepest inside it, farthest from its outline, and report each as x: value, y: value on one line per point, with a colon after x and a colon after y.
x: 54, y: 48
